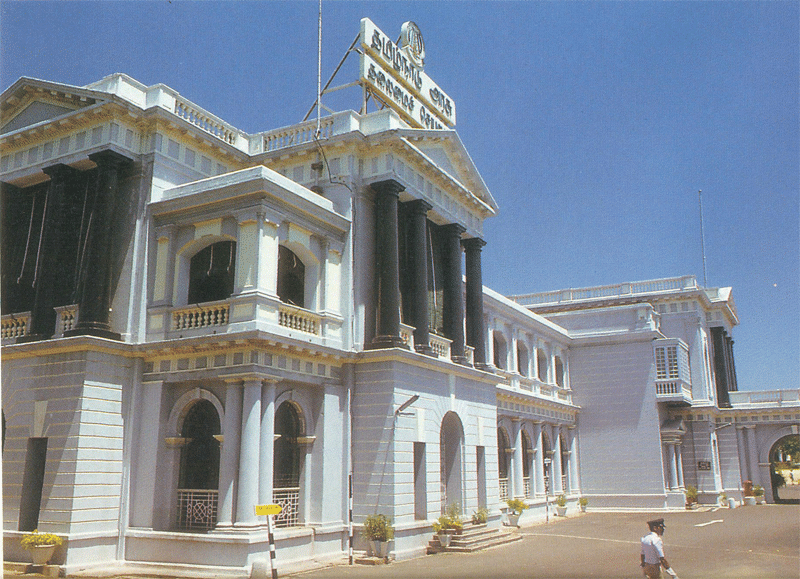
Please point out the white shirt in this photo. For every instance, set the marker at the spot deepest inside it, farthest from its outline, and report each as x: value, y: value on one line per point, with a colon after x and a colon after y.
x: 652, y: 548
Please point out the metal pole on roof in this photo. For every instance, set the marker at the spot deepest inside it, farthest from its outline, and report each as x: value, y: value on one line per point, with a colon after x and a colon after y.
x: 702, y: 237
x: 319, y: 69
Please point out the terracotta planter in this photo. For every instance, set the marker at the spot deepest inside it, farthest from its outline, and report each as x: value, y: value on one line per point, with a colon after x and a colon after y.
x: 41, y: 554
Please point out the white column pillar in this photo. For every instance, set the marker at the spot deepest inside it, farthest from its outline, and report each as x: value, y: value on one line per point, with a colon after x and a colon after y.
x: 144, y: 488
x: 679, y: 461
x: 268, y: 262
x: 574, y: 481
x: 267, y: 446
x: 229, y: 461
x: 517, y: 458
x: 535, y: 360
x: 673, y: 466
x: 247, y: 492
x: 165, y: 265
x: 557, y: 469
x: 755, y: 471
x: 551, y: 366
x: 565, y: 364
x: 514, y: 352
x: 538, y: 463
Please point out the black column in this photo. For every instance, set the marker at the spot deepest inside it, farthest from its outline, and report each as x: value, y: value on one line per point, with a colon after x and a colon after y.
x: 718, y: 336
x: 386, y: 201
x: 476, y: 333
x: 43, y: 316
x: 418, y: 266
x: 95, y: 300
x: 453, y: 313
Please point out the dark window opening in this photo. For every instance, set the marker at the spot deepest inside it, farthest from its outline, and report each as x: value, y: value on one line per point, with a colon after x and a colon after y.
x: 200, y: 455
x: 291, y: 278
x: 32, y: 484
x: 502, y: 454
x: 287, y: 450
x: 211, y: 273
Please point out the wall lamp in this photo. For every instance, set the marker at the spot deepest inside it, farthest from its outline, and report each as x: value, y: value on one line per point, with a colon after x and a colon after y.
x: 406, y: 404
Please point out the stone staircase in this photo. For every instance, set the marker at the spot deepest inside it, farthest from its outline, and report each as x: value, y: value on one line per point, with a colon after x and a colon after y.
x: 474, y: 538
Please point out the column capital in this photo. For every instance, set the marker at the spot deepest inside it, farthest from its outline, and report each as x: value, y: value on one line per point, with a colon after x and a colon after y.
x: 387, y: 187
x: 60, y: 172
x: 241, y: 379
x: 453, y: 229
x: 419, y: 206
x: 109, y: 159
x: 473, y: 243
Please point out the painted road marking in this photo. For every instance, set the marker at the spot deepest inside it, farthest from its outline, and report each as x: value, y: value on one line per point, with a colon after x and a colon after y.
x: 710, y: 523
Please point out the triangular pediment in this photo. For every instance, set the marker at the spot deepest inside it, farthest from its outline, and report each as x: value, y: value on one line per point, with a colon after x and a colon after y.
x: 29, y: 102
x: 446, y: 151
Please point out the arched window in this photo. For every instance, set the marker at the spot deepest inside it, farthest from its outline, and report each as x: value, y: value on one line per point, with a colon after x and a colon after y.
x: 502, y: 462
x: 547, y: 461
x: 559, y: 372
x: 286, y: 472
x: 200, y: 455
x: 291, y: 278
x: 522, y: 360
x: 211, y: 273
x: 541, y: 361
x: 500, y: 352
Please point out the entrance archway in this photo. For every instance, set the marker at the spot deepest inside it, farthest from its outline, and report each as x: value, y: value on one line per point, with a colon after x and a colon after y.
x: 451, y: 449
x: 784, y: 469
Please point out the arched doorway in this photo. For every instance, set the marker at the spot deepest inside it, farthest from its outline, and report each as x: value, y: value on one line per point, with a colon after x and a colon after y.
x: 784, y: 469
x: 451, y: 449
x: 287, y: 461
x: 198, y: 479
x: 503, y: 450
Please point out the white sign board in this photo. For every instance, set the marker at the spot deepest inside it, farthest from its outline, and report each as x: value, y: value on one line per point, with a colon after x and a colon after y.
x: 390, y: 71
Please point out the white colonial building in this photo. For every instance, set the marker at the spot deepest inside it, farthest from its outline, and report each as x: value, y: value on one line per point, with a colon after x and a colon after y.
x: 197, y: 320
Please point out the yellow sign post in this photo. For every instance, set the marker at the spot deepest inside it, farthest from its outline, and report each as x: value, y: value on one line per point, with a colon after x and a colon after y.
x: 268, y: 509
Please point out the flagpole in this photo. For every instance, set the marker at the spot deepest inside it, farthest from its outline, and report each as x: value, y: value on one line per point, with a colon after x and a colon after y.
x: 702, y: 237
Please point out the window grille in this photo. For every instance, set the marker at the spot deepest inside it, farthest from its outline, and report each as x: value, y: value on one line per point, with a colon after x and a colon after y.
x: 503, y: 489
x: 197, y: 509
x: 289, y: 500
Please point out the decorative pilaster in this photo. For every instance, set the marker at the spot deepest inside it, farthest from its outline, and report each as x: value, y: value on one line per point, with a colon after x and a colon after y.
x: 229, y: 463
x: 453, y: 311
x: 679, y: 463
x: 247, y: 491
x: 418, y: 266
x: 43, y: 317
x: 516, y: 464
x: 476, y: 332
x: 539, y: 463
x: 144, y: 487
x: 388, y: 263
x: 267, y: 445
x: 95, y: 301
x: 555, y: 484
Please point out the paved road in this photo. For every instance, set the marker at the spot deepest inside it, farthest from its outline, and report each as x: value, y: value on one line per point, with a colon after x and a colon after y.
x: 760, y: 542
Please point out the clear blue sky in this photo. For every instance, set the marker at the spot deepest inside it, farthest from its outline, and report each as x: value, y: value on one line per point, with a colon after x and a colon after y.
x: 593, y: 124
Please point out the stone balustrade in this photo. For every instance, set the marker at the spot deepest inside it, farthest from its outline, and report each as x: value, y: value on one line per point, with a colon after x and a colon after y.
x: 200, y: 316
x: 762, y: 397
x: 66, y: 319
x: 299, y: 319
x: 206, y: 121
x: 441, y: 346
x: 13, y: 326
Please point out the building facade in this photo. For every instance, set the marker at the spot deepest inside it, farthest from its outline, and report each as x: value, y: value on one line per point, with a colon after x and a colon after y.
x: 197, y: 320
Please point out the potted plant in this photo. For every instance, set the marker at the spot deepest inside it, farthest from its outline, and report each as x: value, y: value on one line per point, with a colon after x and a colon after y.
x: 582, y: 502
x: 41, y: 545
x: 722, y: 499
x: 378, y: 531
x: 453, y: 512
x: 691, y: 496
x: 481, y: 516
x: 445, y: 527
x: 758, y: 493
x: 561, y: 506
x: 515, y: 507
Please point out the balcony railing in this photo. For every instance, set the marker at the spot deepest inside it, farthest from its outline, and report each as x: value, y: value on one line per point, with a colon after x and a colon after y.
x: 201, y: 316
x: 441, y: 346
x: 297, y: 134
x: 197, y: 509
x: 13, y: 326
x: 66, y: 319
x: 299, y: 319
x: 674, y: 390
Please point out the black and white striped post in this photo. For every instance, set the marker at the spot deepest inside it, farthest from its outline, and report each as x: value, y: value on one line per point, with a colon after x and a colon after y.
x: 273, y: 564
x: 350, y: 515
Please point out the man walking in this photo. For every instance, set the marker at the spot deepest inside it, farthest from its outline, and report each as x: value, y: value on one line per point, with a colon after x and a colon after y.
x: 653, y: 552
